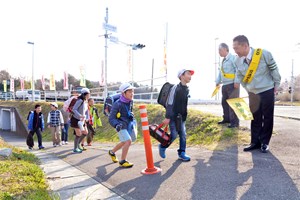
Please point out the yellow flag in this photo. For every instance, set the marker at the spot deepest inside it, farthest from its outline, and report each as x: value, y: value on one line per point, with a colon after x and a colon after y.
x: 215, y: 91
x: 52, y: 82
x: 4, y: 86
x: 241, y: 108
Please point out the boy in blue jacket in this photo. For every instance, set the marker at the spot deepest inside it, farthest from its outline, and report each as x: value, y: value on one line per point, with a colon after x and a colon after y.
x: 120, y: 118
x: 36, y: 124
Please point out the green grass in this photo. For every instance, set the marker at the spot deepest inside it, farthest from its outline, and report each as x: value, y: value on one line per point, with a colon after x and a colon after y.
x: 21, y: 177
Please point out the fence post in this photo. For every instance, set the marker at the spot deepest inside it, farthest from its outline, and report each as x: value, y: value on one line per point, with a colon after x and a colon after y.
x: 151, y: 169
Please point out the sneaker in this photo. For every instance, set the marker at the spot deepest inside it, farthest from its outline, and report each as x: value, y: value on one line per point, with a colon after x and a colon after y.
x: 54, y: 145
x: 82, y: 148
x: 182, y: 156
x: 77, y: 150
x: 264, y: 148
x: 162, y: 151
x: 126, y: 164
x: 113, y: 156
x: 41, y: 147
x: 30, y: 148
x: 66, y: 142
x: 63, y: 142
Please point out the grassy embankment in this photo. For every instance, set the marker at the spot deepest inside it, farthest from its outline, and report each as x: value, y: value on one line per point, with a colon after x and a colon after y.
x: 21, y: 177
x: 202, y: 128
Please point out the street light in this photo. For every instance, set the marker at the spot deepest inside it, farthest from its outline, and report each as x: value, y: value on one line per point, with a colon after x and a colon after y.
x: 32, y: 80
x: 134, y: 47
x: 216, y: 63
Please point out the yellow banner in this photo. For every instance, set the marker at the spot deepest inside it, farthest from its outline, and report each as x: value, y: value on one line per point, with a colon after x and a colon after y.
x: 4, y: 86
x: 82, y: 77
x: 52, y: 82
x: 215, y: 91
x: 241, y: 108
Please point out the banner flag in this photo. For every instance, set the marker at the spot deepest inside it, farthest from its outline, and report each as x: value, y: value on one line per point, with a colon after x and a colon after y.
x: 43, y: 82
x: 82, y: 78
x: 101, y: 82
x: 52, y: 82
x: 215, y: 91
x: 12, y: 85
x: 4, y: 86
x: 22, y: 84
x: 241, y: 108
x: 66, y: 82
x: 164, y: 68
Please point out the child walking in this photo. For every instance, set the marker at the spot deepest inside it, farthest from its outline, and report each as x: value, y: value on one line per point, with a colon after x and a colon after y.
x: 120, y: 118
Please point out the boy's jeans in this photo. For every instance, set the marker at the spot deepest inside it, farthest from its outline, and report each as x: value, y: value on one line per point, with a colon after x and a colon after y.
x: 182, y: 135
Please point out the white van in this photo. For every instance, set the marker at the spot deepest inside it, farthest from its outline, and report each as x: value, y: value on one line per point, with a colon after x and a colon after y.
x: 27, y: 95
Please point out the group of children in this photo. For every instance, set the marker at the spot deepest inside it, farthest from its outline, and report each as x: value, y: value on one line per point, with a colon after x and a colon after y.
x: 121, y: 117
x: 59, y: 121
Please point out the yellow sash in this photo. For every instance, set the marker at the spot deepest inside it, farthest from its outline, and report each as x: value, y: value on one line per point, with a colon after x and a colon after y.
x: 253, y: 66
x: 229, y: 76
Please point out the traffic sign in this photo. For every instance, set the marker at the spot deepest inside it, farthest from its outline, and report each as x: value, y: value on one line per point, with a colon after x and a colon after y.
x: 109, y: 27
x: 113, y: 39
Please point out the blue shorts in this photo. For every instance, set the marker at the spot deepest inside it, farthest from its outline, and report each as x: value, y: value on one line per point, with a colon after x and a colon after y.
x: 124, y: 135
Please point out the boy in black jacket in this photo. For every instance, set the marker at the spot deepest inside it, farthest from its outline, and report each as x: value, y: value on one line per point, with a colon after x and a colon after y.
x: 176, y: 113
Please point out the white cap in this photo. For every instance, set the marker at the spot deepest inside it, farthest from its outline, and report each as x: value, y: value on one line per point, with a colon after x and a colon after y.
x: 180, y: 72
x: 54, y: 104
x: 125, y: 86
x: 85, y: 90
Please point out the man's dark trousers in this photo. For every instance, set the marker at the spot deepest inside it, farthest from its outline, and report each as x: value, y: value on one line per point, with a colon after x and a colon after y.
x: 229, y: 92
x: 262, y: 108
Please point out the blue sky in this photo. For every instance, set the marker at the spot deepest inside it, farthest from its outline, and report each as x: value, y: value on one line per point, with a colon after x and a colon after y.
x: 66, y: 36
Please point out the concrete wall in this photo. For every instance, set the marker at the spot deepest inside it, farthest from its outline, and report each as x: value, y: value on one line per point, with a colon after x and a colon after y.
x: 10, y: 120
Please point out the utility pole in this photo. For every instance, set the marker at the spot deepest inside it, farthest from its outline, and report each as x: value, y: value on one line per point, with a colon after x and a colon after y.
x: 106, y: 36
x: 292, y: 83
x: 32, y: 78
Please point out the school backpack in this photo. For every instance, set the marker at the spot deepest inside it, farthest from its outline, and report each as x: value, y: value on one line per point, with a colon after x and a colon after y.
x: 69, y: 103
x: 29, y: 114
x: 164, y: 93
x: 108, y: 103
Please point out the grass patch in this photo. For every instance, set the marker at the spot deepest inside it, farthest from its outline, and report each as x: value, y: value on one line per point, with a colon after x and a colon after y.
x: 21, y: 177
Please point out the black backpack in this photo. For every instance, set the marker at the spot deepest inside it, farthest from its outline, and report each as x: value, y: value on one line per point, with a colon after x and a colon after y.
x: 108, y: 103
x: 164, y: 93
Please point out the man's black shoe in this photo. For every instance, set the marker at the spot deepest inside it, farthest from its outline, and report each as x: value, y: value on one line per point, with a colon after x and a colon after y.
x: 233, y: 126
x: 223, y: 122
x: 264, y: 148
x: 252, y: 147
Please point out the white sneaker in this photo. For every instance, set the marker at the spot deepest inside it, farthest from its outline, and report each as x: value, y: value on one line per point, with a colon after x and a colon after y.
x: 63, y: 142
x: 66, y: 142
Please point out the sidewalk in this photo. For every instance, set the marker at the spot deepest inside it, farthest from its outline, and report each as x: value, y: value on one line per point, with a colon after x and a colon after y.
x: 63, y: 178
